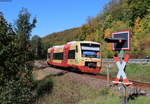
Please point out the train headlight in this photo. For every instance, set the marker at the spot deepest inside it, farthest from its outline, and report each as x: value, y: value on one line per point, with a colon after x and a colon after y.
x: 98, y: 63
x: 81, y: 62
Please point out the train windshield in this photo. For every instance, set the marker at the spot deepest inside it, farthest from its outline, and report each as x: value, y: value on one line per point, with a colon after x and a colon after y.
x: 90, y: 50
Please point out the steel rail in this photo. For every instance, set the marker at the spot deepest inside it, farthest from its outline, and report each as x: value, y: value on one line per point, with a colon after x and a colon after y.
x: 135, y: 83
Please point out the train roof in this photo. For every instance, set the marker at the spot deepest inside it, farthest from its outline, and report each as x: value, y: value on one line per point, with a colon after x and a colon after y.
x: 61, y: 46
x: 73, y: 42
x: 89, y: 42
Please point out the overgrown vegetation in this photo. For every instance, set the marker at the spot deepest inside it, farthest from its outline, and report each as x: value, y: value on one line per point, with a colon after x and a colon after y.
x: 67, y: 91
x: 37, y: 48
x: 43, y: 86
x: 140, y: 100
x: 115, y: 100
x: 16, y: 59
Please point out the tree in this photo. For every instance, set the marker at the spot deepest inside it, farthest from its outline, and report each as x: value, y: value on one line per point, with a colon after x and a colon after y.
x: 23, y: 28
x: 15, y: 62
x: 7, y: 45
x: 84, y: 32
x: 138, y: 8
x: 107, y: 22
x: 37, y: 47
x: 141, y: 35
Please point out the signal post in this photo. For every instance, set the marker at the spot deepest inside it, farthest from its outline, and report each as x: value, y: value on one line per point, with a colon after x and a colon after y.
x: 121, y: 43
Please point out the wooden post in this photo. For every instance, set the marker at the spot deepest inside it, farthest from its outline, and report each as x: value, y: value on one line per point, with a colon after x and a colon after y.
x: 108, y: 78
x: 124, y: 98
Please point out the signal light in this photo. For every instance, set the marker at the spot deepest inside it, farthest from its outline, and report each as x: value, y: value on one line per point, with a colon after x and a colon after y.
x: 119, y: 40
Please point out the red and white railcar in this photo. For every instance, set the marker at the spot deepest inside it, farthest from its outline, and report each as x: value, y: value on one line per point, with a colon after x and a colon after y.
x: 81, y: 55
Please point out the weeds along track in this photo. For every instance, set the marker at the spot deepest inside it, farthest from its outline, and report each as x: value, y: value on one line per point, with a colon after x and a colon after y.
x: 140, y: 84
x: 104, y: 77
x: 43, y: 65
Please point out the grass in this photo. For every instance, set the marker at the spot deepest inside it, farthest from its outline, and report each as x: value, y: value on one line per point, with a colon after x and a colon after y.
x: 139, y: 72
x: 140, y: 100
x: 102, y: 100
x: 67, y: 91
x: 111, y: 97
x: 43, y: 86
x: 115, y: 100
x: 106, y: 96
x: 136, y: 72
x: 39, y: 74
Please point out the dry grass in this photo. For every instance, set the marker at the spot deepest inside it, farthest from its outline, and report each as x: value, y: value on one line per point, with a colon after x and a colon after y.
x: 67, y: 91
x: 39, y: 74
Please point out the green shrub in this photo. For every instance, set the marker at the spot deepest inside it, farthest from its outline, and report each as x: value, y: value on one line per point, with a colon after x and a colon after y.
x: 16, y: 60
x: 106, y: 91
x: 15, y: 92
x: 44, y: 86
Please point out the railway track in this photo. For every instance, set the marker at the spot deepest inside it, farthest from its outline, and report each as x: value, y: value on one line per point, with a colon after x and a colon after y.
x: 141, y: 85
x: 102, y: 76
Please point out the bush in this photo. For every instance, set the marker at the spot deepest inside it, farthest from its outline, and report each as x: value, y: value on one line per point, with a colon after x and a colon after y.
x: 15, y: 92
x: 16, y: 60
x: 44, y: 86
x: 106, y: 91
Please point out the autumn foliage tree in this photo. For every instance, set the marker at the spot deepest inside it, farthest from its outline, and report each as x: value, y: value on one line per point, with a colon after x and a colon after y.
x: 121, y: 15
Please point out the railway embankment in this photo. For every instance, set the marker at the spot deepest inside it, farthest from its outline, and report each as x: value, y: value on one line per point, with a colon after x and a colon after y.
x: 78, y: 86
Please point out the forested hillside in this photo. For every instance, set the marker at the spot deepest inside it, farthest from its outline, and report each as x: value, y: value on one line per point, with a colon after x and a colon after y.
x: 117, y: 15
x: 62, y: 37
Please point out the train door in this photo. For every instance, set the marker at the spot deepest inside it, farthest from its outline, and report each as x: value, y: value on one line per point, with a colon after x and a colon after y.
x: 48, y: 56
x: 65, y: 55
x: 51, y: 55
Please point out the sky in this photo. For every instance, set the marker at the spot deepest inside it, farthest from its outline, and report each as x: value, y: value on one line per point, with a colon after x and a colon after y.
x: 53, y: 15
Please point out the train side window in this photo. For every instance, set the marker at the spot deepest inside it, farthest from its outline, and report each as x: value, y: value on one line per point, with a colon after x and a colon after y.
x: 58, y: 56
x: 71, y: 54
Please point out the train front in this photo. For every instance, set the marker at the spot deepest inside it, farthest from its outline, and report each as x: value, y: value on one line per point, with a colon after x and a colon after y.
x: 89, y: 57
